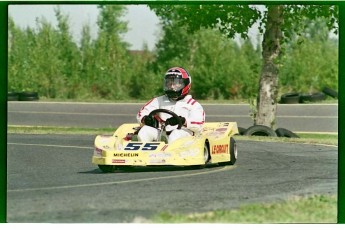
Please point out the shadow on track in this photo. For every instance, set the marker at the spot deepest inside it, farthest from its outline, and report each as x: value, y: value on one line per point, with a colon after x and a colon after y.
x: 158, y: 168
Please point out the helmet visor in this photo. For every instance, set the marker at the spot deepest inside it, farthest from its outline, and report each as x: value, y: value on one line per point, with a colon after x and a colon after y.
x: 173, y: 84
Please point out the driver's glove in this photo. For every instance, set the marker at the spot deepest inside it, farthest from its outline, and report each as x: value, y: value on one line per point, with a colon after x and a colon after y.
x: 174, y: 121
x: 149, y: 121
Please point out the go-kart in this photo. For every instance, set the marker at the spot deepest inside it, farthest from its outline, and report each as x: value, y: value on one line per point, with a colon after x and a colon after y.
x: 214, y: 145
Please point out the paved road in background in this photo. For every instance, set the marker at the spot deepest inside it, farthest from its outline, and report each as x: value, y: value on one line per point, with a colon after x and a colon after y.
x: 295, y: 117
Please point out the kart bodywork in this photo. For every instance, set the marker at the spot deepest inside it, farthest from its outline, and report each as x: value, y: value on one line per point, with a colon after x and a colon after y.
x: 215, y: 144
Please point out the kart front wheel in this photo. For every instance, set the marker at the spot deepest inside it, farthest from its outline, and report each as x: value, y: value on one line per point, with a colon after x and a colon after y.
x: 206, y: 154
x: 107, y: 168
x: 206, y: 157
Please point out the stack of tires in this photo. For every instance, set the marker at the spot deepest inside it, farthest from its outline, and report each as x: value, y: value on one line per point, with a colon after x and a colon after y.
x: 295, y: 98
x: 22, y: 96
x: 262, y: 130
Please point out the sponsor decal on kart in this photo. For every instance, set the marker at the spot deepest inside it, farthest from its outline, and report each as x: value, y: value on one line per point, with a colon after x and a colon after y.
x: 221, y: 130
x: 157, y: 161
x: 160, y: 155
x: 219, y: 149
x: 189, y: 153
x: 141, y: 146
x: 119, y: 161
x: 165, y: 146
x: 126, y: 154
x: 97, y: 152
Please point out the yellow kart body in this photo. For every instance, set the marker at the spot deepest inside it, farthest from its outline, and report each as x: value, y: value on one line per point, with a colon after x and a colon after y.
x: 215, y: 144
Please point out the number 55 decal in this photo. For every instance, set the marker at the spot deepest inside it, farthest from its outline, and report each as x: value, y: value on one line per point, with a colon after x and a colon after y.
x: 137, y: 145
x: 133, y: 146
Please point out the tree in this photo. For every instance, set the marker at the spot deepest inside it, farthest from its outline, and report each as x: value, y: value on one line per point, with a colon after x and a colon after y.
x: 275, y: 22
x: 221, y: 68
x: 86, y: 61
x: 68, y: 54
x: 311, y: 60
x: 110, y: 54
x: 16, y: 61
x: 46, y: 61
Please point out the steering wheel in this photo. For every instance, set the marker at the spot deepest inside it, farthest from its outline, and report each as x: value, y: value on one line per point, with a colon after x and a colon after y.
x: 154, y: 112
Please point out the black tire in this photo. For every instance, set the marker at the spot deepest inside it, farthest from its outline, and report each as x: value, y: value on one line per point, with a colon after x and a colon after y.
x: 260, y: 130
x: 314, y: 97
x: 12, y: 96
x: 232, y: 152
x: 290, y: 98
x: 207, y: 157
x: 281, y: 132
x: 318, y: 96
x: 28, y: 96
x: 241, y: 130
x: 28, y: 99
x: 304, y: 98
x: 107, y: 168
x: 330, y: 92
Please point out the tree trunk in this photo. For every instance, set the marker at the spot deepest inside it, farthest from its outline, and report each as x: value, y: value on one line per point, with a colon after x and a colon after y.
x: 268, y: 85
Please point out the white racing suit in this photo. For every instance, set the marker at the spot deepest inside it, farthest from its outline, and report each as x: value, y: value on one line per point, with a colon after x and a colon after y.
x: 187, y: 107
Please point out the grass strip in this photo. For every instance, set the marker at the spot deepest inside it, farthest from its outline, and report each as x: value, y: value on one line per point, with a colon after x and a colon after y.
x: 313, y: 209
x: 58, y: 130
x: 309, y: 138
x: 325, y: 139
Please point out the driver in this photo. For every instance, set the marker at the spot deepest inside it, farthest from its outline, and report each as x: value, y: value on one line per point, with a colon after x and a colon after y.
x: 176, y: 85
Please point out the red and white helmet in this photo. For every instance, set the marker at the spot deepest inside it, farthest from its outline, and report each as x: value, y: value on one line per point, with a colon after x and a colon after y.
x: 177, y: 83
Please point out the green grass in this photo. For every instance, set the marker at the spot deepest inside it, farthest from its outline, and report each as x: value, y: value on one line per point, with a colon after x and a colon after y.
x: 58, y: 130
x: 329, y: 139
x: 326, y: 139
x: 314, y: 209
x: 232, y: 101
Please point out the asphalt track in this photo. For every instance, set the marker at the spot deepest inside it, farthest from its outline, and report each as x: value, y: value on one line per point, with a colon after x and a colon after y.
x: 321, y: 118
x: 51, y: 180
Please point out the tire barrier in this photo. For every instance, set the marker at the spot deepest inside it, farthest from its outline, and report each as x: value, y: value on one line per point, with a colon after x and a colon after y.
x: 330, y: 92
x: 314, y: 97
x: 281, y: 132
x: 12, y: 96
x: 241, y: 130
x: 295, y: 98
x: 290, y: 98
x: 22, y: 96
x: 260, y: 130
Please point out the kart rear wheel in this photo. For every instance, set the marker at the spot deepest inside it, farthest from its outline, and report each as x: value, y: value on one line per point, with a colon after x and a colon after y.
x: 232, y: 152
x: 107, y: 168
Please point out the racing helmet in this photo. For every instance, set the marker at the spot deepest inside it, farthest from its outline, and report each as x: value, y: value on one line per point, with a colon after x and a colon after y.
x: 177, y: 83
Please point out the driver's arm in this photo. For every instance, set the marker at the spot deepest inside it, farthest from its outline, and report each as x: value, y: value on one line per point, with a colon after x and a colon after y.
x: 147, y: 108
x: 196, y: 118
